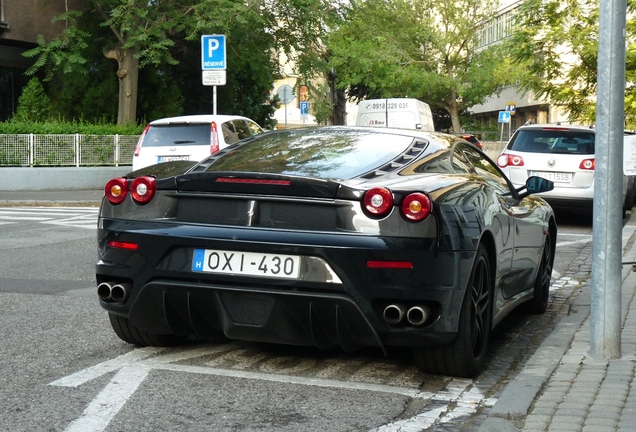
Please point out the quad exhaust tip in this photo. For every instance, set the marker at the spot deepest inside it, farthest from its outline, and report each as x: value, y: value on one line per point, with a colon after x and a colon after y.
x: 113, y: 291
x: 397, y: 313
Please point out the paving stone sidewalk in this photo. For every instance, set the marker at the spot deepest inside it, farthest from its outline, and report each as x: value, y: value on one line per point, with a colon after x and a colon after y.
x: 562, y: 388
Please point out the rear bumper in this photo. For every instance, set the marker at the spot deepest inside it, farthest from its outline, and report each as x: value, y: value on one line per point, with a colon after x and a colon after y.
x: 167, y: 297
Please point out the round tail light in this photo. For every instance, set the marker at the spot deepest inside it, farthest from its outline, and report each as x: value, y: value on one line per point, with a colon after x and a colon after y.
x: 378, y: 201
x: 416, y: 206
x: 116, y: 190
x: 143, y: 189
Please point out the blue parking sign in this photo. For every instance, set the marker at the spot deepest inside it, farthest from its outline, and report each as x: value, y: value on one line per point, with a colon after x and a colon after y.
x: 504, y: 116
x: 304, y: 107
x: 213, y: 52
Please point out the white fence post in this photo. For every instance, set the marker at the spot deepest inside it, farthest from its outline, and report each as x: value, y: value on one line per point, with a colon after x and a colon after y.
x: 31, y: 149
x: 78, y: 155
x: 116, y: 150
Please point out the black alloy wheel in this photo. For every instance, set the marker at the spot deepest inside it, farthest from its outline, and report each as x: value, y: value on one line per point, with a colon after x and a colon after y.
x: 544, y: 275
x: 465, y: 356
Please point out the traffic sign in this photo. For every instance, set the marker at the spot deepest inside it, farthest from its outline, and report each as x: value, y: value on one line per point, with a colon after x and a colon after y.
x: 285, y: 94
x: 213, y: 52
x: 304, y: 107
x: 504, y: 116
x: 213, y: 77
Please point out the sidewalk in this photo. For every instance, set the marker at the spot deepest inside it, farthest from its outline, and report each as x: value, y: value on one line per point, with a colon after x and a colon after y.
x: 562, y: 388
x: 75, y: 198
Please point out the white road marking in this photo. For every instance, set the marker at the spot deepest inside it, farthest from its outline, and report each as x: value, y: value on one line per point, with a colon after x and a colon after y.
x: 99, y: 413
x: 77, y: 217
x: 132, y: 368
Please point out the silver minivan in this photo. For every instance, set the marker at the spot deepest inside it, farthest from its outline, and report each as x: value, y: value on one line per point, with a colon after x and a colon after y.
x: 193, y: 137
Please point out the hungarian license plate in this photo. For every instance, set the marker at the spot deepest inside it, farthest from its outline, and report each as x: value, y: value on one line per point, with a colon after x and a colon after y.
x: 161, y: 159
x: 557, y: 177
x: 246, y: 263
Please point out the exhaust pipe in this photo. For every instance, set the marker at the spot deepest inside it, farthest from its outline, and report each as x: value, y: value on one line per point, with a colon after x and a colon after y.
x: 119, y: 292
x: 417, y: 315
x: 393, y: 313
x: 104, y: 291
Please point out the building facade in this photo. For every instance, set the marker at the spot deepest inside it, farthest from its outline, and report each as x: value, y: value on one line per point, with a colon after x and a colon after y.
x: 21, y: 21
x: 524, y: 107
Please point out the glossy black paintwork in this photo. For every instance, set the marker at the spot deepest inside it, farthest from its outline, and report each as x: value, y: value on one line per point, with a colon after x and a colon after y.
x: 167, y: 297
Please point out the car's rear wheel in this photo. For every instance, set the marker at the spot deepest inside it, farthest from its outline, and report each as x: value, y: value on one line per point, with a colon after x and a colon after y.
x: 465, y: 356
x: 544, y: 275
x: 131, y: 334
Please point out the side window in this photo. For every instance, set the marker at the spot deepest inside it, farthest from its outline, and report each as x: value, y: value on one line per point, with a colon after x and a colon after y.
x: 460, y: 163
x: 254, y: 128
x: 229, y: 134
x: 242, y: 131
x: 487, y: 170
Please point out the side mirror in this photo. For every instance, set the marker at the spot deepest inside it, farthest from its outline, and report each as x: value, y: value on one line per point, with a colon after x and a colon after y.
x: 535, y: 185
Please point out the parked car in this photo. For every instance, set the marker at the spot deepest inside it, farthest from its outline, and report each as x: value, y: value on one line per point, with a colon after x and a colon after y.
x: 562, y: 154
x: 192, y: 137
x: 328, y: 237
x: 471, y: 139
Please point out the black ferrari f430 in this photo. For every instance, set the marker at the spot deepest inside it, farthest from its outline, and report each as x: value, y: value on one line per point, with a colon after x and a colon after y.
x: 329, y: 237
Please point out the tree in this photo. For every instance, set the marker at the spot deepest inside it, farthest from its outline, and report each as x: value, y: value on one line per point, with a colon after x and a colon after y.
x: 557, y: 43
x: 143, y: 32
x: 424, y: 49
x: 33, y: 103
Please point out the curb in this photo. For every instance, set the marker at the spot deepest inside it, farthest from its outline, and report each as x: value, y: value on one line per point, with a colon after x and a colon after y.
x: 515, y: 400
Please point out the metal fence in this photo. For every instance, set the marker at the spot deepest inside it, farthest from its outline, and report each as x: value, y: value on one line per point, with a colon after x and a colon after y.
x: 67, y: 150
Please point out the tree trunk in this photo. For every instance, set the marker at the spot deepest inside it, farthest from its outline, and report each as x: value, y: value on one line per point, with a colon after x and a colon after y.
x: 128, y: 74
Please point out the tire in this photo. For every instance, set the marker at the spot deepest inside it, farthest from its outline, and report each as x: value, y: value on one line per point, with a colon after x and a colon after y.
x: 630, y: 196
x: 465, y: 356
x: 541, y: 294
x: 131, y: 334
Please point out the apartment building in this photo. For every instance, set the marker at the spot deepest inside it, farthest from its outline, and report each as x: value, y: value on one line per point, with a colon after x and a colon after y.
x: 21, y: 21
x: 525, y: 107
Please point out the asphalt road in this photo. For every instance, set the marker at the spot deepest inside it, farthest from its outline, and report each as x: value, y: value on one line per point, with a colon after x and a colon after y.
x: 63, y: 369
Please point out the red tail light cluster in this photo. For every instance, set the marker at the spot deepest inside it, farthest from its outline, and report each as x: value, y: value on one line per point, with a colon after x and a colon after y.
x: 142, y: 190
x: 416, y: 206
x: 214, y: 138
x: 588, y: 164
x: 379, y: 202
x: 506, y: 159
x: 141, y: 139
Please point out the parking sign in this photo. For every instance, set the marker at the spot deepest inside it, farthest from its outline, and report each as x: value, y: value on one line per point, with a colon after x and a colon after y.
x: 213, y: 52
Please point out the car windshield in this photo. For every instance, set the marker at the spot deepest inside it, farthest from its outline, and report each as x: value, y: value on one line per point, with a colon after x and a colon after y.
x: 335, y: 154
x: 171, y: 135
x: 564, y: 141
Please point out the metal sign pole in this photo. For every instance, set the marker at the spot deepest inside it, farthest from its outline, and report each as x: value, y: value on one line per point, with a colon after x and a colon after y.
x: 214, y: 100
x: 605, y: 311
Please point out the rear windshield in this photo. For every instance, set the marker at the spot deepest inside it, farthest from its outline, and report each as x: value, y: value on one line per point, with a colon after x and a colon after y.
x: 333, y: 154
x: 171, y: 135
x: 553, y: 141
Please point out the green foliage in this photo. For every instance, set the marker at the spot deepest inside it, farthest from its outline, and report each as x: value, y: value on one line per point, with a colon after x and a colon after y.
x: 33, y: 104
x: 557, y: 43
x: 395, y: 49
x: 67, y: 127
x: 155, y: 32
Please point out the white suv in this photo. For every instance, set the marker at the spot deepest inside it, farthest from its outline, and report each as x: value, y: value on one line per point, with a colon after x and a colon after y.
x: 192, y: 137
x: 563, y: 154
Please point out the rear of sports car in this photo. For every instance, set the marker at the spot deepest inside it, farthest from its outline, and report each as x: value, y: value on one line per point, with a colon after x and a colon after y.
x: 282, y: 258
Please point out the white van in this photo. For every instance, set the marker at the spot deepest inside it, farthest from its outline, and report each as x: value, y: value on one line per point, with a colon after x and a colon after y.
x: 398, y: 113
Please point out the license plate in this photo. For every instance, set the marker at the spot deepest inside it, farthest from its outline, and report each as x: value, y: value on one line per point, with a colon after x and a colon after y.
x: 246, y: 263
x: 557, y: 177
x: 161, y: 159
